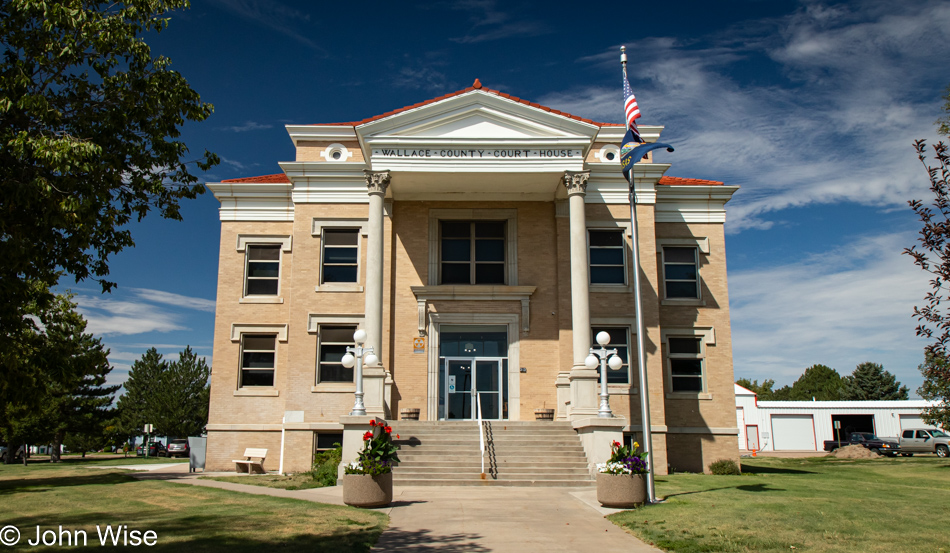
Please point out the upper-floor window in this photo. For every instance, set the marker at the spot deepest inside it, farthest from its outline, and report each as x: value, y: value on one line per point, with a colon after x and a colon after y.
x: 263, y: 270
x: 681, y: 272
x: 331, y: 347
x: 686, y: 364
x: 340, y: 255
x: 606, y: 255
x: 618, y: 341
x: 258, y: 357
x: 472, y: 252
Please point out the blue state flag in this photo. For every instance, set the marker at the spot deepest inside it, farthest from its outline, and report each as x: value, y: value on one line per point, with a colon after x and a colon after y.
x: 627, y: 145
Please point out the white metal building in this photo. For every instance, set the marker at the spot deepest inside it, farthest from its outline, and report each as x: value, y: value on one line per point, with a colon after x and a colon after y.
x: 805, y: 425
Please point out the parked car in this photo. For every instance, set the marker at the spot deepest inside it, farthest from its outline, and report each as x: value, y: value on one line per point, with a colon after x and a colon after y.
x: 925, y: 440
x: 155, y: 449
x: 869, y: 441
x: 18, y: 456
x: 178, y: 448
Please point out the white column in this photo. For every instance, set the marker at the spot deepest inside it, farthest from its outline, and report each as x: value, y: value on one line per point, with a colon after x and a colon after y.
x: 376, y: 184
x: 375, y: 379
x: 576, y: 184
x: 583, y: 381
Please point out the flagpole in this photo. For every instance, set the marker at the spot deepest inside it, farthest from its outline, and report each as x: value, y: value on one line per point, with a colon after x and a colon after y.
x: 641, y: 354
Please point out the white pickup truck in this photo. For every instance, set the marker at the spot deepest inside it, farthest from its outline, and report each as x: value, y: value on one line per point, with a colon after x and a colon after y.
x: 924, y: 440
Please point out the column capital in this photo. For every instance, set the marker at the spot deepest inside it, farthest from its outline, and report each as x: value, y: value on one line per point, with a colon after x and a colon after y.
x: 576, y: 182
x: 376, y: 181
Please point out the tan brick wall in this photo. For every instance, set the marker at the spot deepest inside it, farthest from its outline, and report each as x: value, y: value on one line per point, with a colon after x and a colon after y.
x: 543, y: 243
x: 310, y: 150
x: 224, y: 447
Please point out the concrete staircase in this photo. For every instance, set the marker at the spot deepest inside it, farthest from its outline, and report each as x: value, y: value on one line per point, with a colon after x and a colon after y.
x: 517, y: 453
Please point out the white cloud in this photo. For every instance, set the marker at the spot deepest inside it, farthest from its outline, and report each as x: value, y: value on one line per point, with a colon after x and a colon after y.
x: 489, y: 23
x: 273, y: 15
x: 187, y: 302
x: 839, y: 308
x: 833, y: 120
x: 146, y: 313
x: 247, y: 126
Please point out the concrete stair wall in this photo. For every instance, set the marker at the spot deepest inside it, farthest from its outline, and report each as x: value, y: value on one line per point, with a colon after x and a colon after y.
x: 517, y: 453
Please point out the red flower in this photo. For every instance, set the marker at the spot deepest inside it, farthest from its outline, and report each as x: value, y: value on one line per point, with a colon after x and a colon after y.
x: 368, y: 436
x: 372, y: 423
x: 397, y: 436
x: 616, y: 444
x: 388, y: 429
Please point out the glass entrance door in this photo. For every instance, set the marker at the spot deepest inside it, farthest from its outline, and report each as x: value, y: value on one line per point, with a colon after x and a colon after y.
x: 465, y: 379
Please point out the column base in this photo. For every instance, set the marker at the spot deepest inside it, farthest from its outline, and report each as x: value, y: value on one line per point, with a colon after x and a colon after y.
x: 585, y: 392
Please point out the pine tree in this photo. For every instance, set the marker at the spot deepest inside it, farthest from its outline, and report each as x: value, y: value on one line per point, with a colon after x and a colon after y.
x: 818, y: 382
x: 870, y: 381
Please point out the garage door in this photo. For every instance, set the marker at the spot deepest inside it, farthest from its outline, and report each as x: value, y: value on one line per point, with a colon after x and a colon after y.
x: 913, y: 421
x: 793, y: 433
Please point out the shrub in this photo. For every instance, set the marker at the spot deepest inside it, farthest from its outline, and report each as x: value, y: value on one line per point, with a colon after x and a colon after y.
x: 325, y: 466
x: 724, y: 466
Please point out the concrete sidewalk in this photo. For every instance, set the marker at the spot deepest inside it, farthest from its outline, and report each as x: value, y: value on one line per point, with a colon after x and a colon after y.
x: 468, y: 518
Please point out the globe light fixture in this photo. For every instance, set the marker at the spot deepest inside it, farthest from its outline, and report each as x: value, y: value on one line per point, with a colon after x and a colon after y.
x: 599, y: 356
x: 358, y: 356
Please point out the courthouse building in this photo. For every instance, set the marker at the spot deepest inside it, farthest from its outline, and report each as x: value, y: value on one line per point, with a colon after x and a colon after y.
x: 481, y: 241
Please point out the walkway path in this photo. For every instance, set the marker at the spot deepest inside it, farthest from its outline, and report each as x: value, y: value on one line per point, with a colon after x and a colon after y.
x: 469, y: 518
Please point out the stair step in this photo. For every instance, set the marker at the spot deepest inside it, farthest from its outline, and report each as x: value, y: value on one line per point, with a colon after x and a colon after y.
x: 490, y: 482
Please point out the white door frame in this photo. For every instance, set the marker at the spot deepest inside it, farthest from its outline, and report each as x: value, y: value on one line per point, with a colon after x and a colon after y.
x: 513, y: 322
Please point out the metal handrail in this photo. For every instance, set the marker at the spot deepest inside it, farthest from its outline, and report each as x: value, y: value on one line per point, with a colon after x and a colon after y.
x: 481, y: 432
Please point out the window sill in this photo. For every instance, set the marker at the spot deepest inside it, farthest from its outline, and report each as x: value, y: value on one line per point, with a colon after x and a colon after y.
x: 610, y: 288
x: 263, y: 391
x: 622, y: 390
x: 689, y: 395
x: 334, y: 388
x: 339, y: 287
x: 262, y: 299
x: 684, y: 302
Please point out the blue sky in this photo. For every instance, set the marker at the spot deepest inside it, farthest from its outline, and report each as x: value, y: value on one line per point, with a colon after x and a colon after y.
x: 811, y: 107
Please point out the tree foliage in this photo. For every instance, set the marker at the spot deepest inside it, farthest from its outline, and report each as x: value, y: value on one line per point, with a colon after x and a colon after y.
x: 934, y: 258
x: 943, y: 124
x: 89, y: 127
x: 172, y: 396
x: 67, y: 392
x: 818, y: 382
x: 936, y: 387
x: 870, y: 382
x: 762, y: 391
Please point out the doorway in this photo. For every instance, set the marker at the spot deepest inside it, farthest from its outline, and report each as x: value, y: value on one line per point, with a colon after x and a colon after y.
x: 473, y: 367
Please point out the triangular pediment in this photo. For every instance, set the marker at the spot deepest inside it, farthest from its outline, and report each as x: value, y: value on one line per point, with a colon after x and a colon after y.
x: 476, y: 116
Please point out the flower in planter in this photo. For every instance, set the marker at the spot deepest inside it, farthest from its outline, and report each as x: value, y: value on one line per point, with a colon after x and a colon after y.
x: 624, y: 460
x: 379, y: 453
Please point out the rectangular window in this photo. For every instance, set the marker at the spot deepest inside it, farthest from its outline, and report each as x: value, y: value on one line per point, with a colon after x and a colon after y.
x: 472, y: 252
x: 618, y: 341
x: 605, y: 253
x: 681, y: 272
x: 263, y: 270
x: 258, y: 354
x: 331, y: 348
x: 686, y: 364
x: 340, y: 255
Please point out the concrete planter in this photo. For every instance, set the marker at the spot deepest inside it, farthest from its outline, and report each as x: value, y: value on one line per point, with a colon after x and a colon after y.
x: 544, y: 414
x: 365, y: 490
x: 621, y: 491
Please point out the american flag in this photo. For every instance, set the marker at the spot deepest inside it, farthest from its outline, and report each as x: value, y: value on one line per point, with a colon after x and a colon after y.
x: 631, y: 109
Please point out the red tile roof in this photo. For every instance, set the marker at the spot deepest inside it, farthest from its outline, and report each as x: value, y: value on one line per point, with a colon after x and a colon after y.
x: 683, y: 181
x: 282, y: 178
x: 477, y: 85
x: 278, y: 178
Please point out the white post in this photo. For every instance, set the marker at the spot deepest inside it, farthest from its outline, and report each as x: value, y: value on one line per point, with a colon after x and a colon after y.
x: 280, y: 468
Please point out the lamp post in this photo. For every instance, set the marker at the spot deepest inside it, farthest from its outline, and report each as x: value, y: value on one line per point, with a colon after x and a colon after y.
x: 355, y: 356
x: 599, y: 356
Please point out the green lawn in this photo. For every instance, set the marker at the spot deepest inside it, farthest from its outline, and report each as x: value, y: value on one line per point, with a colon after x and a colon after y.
x: 185, y: 518
x: 818, y: 504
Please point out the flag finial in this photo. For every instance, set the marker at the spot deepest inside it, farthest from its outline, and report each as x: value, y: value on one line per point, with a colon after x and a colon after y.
x: 623, y: 55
